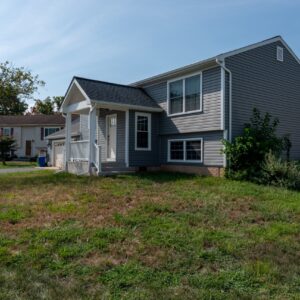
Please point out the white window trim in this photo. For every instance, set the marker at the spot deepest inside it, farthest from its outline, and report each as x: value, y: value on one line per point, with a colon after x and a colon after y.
x: 184, y: 150
x: 183, y: 83
x: 137, y: 114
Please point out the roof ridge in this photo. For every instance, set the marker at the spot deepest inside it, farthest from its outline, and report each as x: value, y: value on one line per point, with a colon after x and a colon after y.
x: 107, y: 82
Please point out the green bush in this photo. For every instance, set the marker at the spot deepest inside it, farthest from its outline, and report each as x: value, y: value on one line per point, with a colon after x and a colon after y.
x: 280, y: 173
x: 247, y: 152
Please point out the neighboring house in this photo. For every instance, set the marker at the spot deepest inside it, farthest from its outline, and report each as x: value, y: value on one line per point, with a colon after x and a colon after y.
x: 176, y: 120
x: 56, y: 141
x: 30, y: 131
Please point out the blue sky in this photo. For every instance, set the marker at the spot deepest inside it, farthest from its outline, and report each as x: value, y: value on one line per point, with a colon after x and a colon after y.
x: 128, y: 40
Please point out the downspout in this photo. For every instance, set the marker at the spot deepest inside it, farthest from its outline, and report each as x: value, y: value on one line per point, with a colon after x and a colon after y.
x: 221, y: 63
x: 91, y: 138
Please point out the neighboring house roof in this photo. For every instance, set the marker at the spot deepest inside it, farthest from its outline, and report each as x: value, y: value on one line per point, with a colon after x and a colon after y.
x: 211, y: 61
x: 61, y: 134
x: 115, y: 93
x: 32, y: 120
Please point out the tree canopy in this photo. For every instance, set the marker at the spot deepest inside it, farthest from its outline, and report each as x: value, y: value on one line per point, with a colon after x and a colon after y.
x: 16, y: 86
x: 48, y: 106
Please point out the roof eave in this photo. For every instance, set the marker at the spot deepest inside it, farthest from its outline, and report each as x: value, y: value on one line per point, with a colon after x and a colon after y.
x: 121, y: 106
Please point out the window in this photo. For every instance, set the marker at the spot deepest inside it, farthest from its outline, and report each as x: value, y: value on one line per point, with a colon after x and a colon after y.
x: 279, y: 53
x: 185, y: 95
x: 188, y: 150
x: 142, y: 131
x: 49, y: 131
x: 6, y: 131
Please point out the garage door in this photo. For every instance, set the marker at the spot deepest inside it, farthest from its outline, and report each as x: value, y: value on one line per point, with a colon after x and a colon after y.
x: 59, y: 149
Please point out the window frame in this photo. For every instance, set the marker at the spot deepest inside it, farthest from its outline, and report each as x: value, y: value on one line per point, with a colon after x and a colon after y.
x: 149, y: 116
x: 58, y: 129
x: 184, y: 150
x: 9, y: 131
x: 183, y: 78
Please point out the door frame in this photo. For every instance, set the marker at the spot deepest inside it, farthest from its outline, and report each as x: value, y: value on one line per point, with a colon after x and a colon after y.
x: 106, y: 135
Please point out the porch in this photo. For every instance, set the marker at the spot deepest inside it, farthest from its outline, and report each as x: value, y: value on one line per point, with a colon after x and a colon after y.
x: 105, y: 110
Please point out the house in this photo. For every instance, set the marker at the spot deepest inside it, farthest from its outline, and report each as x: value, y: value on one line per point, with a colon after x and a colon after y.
x: 30, y: 131
x: 176, y: 120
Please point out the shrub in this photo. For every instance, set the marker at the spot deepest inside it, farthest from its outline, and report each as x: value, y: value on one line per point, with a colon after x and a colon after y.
x: 247, y: 152
x: 281, y: 173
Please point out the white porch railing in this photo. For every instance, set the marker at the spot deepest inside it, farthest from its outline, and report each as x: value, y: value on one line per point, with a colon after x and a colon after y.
x: 79, y: 150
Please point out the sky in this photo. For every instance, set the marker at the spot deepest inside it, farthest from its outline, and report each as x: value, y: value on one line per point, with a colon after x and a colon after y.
x: 128, y: 40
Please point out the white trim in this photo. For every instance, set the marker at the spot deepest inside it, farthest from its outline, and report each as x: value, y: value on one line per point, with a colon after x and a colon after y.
x: 77, y: 107
x: 124, y: 107
x: 137, y: 114
x: 222, y: 99
x: 74, y: 82
x: 106, y: 134
x: 127, y: 138
x: 183, y: 78
x: 184, y: 150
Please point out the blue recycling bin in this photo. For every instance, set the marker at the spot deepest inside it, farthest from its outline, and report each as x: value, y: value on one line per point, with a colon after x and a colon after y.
x: 42, y: 161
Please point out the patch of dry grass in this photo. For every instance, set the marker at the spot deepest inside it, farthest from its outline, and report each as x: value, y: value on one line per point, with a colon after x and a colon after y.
x: 146, y: 236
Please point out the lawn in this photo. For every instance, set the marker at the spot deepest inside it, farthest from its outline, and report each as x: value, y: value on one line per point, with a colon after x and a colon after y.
x: 17, y: 164
x: 146, y: 236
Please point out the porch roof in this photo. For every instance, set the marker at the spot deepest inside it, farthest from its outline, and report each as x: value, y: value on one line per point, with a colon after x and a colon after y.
x: 100, y: 91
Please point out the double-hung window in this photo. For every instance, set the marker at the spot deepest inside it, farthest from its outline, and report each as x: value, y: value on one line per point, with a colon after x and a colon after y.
x: 142, y: 131
x: 185, y: 95
x: 187, y: 150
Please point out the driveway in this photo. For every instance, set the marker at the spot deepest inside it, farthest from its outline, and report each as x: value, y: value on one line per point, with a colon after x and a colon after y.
x: 25, y: 169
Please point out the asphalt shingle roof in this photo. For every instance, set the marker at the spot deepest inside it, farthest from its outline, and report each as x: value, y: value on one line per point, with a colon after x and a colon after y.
x: 32, y: 120
x: 115, y: 93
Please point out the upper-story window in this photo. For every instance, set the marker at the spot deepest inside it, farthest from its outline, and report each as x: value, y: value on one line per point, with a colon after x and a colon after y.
x: 142, y: 131
x: 6, y: 131
x: 47, y: 131
x: 185, y: 95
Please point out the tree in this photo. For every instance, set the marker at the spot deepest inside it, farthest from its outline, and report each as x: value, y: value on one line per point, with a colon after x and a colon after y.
x: 16, y: 86
x: 246, y: 154
x: 7, y: 145
x: 58, y: 100
x: 44, y: 107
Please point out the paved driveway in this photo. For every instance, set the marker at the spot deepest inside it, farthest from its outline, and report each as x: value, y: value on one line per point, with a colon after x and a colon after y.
x: 25, y: 169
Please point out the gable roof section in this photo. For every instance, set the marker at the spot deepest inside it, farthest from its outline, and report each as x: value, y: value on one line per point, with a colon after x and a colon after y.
x: 211, y: 62
x: 107, y: 92
x: 32, y: 120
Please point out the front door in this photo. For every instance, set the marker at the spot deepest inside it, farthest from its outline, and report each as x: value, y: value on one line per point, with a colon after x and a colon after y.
x: 111, y: 137
x: 28, y: 148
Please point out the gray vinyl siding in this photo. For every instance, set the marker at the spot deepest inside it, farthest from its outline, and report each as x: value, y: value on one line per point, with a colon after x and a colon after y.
x: 121, y: 120
x: 207, y: 120
x: 84, y: 127
x: 138, y: 158
x: 260, y: 81
x: 212, y: 147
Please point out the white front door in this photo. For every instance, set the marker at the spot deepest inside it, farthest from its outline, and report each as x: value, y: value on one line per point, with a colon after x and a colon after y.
x: 111, y: 137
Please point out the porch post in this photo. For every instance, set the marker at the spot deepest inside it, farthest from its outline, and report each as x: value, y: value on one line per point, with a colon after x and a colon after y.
x: 92, y: 137
x: 68, y: 139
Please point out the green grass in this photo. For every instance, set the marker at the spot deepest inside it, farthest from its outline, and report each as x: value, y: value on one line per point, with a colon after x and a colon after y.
x: 146, y: 236
x: 17, y: 164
